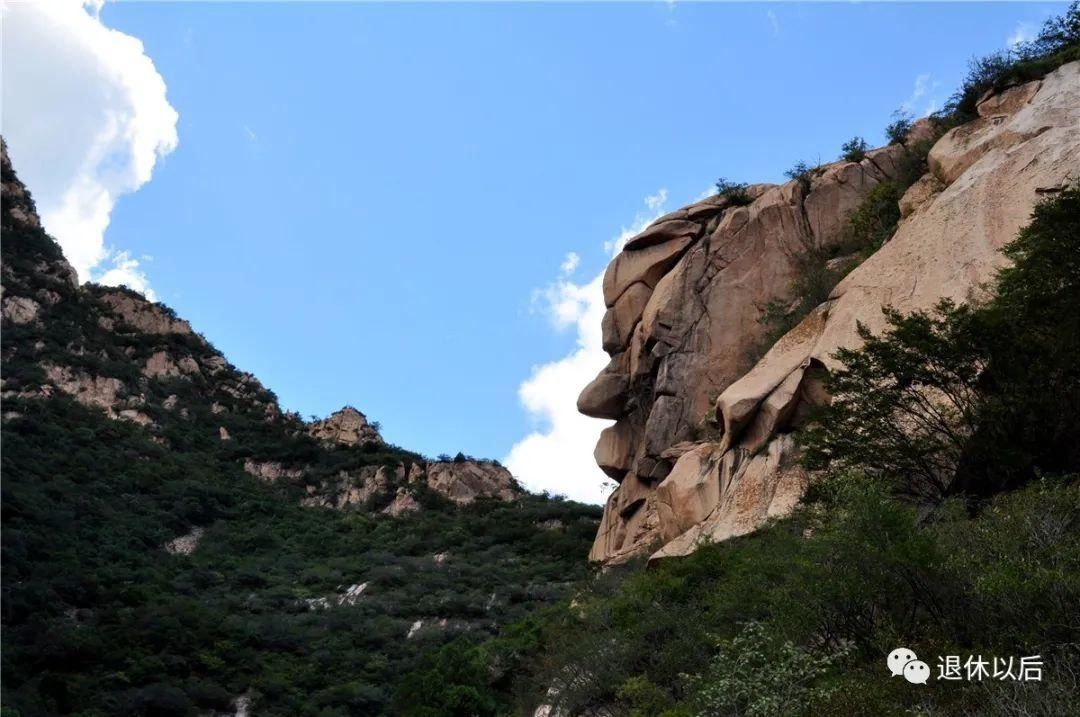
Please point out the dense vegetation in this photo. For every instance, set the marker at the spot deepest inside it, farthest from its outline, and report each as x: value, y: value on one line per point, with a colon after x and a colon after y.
x: 962, y: 537
x: 798, y: 618
x: 100, y: 620
x: 301, y: 610
x: 946, y: 401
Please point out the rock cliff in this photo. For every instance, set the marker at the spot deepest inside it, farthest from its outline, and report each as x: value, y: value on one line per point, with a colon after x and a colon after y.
x: 685, y: 300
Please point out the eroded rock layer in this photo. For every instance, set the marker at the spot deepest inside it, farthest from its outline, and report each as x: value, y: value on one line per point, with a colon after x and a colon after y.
x: 684, y: 300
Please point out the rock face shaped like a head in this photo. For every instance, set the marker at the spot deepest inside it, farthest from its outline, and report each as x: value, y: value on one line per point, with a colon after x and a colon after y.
x: 684, y: 299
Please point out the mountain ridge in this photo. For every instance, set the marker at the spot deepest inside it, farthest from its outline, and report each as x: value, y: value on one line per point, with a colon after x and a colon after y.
x: 174, y: 543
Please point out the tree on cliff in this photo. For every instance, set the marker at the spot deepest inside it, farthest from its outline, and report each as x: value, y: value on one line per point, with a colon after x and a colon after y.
x: 972, y: 398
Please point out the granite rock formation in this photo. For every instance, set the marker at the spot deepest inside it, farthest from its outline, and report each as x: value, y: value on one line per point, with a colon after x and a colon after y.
x: 684, y: 299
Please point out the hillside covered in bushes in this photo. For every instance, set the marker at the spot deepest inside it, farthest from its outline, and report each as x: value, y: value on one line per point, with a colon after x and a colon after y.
x: 880, y: 452
x: 799, y: 617
x: 175, y: 544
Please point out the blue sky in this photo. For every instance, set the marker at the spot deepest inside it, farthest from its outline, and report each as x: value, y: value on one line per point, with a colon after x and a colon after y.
x: 366, y: 202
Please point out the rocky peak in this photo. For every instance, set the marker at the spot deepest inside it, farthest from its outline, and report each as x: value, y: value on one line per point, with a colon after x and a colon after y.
x: 131, y: 311
x: 684, y: 299
x: 348, y: 427
x: 19, y: 207
x: 26, y: 248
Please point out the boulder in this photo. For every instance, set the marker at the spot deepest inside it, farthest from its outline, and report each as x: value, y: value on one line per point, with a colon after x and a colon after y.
x: 614, y: 451
x: 665, y: 230
x: 918, y: 194
x: 403, y: 502
x: 270, y: 471
x: 753, y: 489
x: 606, y: 396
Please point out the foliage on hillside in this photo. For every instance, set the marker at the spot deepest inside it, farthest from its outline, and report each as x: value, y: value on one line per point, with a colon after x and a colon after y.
x: 946, y: 400
x: 798, y: 618
x: 100, y: 619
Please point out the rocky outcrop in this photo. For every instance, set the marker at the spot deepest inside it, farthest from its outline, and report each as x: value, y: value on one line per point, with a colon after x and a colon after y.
x: 686, y: 353
x: 132, y: 312
x: 20, y: 309
x: 683, y: 303
x: 465, y: 481
x: 20, y: 213
x: 347, y: 427
x: 185, y: 544
x: 347, y: 596
x: 459, y: 481
x: 97, y: 391
x: 271, y: 471
x: 403, y: 503
x: 18, y: 204
x: 161, y: 364
x: 357, y: 487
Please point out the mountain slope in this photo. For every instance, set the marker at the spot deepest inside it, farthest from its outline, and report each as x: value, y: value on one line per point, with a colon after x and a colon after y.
x: 173, y: 543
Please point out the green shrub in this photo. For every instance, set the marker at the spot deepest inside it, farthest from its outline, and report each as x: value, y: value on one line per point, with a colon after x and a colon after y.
x: 872, y: 222
x: 802, y: 172
x: 821, y: 598
x: 92, y: 600
x: 754, y: 674
x: 991, y: 423
x: 735, y: 192
x: 854, y: 150
x: 898, y: 129
x: 1057, y: 43
x: 454, y: 682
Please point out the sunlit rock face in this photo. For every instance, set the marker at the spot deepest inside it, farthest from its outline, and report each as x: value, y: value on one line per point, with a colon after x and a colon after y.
x: 684, y: 300
x: 347, y: 427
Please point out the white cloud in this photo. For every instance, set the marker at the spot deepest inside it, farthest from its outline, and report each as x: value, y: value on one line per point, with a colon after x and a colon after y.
x: 656, y: 201
x: 654, y: 204
x: 558, y: 456
x: 774, y: 22
x: 570, y: 263
x: 126, y: 271
x: 86, y: 119
x: 709, y: 191
x: 923, y: 93
x: 1024, y: 32
x: 670, y: 21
